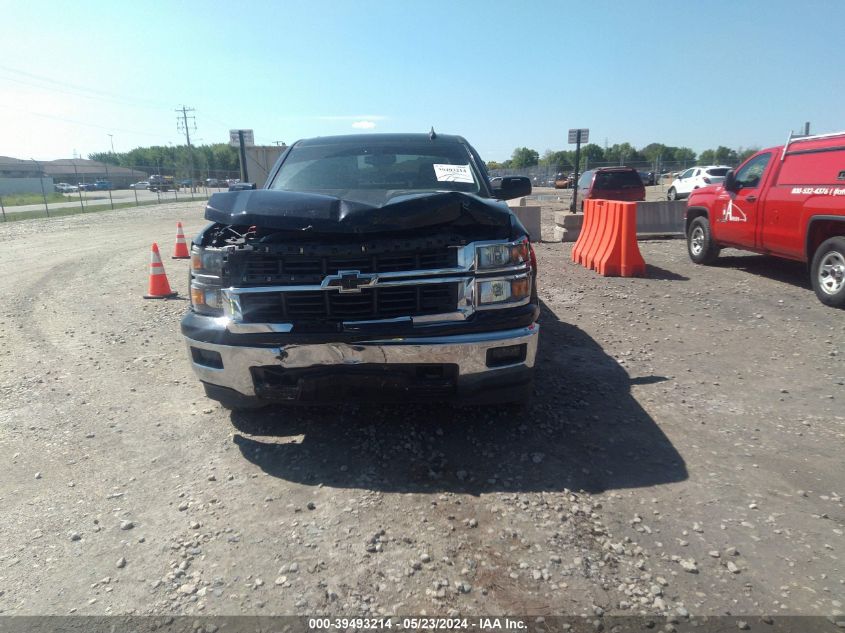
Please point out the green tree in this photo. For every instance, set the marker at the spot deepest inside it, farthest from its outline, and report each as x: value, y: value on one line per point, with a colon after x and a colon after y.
x: 654, y: 152
x: 725, y: 155
x: 707, y: 157
x: 524, y: 157
x: 560, y: 161
x: 590, y: 155
x: 684, y: 155
x: 621, y: 153
x: 742, y: 154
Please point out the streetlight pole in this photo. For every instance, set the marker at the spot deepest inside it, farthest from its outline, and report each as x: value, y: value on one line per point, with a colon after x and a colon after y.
x: 111, y: 139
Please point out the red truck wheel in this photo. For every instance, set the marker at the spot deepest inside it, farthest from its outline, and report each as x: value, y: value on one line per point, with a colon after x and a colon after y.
x: 828, y: 272
x: 700, y: 244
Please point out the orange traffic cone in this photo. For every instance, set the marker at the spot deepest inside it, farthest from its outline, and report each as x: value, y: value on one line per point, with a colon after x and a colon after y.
x: 181, y: 249
x: 159, y: 287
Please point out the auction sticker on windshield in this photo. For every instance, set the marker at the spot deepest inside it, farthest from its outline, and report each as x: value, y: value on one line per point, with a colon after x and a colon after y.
x: 453, y: 173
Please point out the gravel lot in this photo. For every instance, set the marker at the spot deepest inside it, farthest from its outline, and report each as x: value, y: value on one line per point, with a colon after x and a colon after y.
x: 683, y: 453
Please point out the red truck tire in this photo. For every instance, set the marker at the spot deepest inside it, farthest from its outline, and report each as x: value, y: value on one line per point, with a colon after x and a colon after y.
x: 700, y: 244
x: 827, y: 272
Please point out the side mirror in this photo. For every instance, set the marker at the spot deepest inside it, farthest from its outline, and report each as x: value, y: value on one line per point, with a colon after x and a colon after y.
x: 730, y: 181
x: 510, y: 187
x: 242, y: 186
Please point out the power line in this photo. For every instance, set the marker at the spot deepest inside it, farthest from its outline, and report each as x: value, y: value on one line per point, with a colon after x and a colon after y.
x: 76, y: 90
x: 83, y: 123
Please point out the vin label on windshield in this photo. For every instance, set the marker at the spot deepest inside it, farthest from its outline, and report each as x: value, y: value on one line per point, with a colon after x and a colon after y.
x: 453, y: 173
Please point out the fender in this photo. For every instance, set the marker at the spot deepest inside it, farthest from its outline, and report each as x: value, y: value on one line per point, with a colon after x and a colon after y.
x: 811, y: 241
x: 695, y: 212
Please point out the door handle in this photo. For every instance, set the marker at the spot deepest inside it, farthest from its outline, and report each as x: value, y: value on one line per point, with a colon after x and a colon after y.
x: 751, y: 198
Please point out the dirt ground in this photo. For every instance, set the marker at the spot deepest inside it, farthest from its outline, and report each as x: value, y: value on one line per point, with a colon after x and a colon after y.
x: 683, y: 453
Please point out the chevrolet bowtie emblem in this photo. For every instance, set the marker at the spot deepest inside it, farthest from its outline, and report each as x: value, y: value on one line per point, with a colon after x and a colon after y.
x: 349, y: 281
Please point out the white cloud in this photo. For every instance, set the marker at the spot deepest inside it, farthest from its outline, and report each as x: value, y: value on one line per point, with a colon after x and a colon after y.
x: 364, y: 125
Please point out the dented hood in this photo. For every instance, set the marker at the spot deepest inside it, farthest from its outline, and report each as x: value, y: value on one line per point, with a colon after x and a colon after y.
x: 295, y: 211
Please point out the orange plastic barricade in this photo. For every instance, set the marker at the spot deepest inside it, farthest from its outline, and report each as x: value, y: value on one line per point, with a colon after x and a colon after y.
x: 585, y: 237
x: 608, y: 240
x: 633, y: 264
x: 607, y: 261
x: 600, y: 211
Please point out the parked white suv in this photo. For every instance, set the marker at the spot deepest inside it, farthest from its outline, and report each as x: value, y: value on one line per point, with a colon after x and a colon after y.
x: 694, y: 178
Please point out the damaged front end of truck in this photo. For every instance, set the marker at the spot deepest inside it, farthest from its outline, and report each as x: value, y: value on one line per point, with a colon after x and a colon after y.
x: 306, y: 297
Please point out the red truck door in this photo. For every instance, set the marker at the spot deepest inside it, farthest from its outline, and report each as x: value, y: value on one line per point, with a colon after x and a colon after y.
x: 738, y: 215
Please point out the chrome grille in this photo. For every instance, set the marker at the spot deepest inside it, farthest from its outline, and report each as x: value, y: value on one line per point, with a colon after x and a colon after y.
x: 370, y: 303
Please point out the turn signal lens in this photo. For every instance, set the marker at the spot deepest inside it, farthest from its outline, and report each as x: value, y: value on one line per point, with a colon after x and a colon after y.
x: 520, y: 287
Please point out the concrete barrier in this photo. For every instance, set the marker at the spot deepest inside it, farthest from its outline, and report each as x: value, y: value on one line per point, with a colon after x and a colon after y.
x: 653, y: 219
x: 660, y: 218
x: 530, y: 218
x: 567, y: 226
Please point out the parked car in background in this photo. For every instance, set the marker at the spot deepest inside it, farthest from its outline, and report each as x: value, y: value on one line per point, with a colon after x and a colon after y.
x: 564, y: 181
x: 63, y: 187
x: 647, y: 177
x: 140, y: 185
x: 695, y: 178
x: 610, y: 183
x: 212, y: 182
x: 87, y: 186
x: 163, y: 183
x: 103, y: 185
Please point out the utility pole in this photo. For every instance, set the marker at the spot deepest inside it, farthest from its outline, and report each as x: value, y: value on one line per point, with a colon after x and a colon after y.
x: 111, y: 139
x: 182, y: 125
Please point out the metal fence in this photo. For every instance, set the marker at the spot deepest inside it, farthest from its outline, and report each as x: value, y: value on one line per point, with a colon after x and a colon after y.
x: 544, y: 175
x: 31, y: 188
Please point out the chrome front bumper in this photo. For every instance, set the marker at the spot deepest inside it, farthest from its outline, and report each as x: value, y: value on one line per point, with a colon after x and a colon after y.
x: 467, y: 351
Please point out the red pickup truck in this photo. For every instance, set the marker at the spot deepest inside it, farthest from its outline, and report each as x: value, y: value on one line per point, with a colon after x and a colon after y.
x: 786, y: 201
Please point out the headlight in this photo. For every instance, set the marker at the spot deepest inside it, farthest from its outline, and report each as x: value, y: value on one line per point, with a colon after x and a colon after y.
x: 205, y: 262
x: 206, y: 299
x: 502, y: 255
x: 492, y: 292
x: 206, y: 281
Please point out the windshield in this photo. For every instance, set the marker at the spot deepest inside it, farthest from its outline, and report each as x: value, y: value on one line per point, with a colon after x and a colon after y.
x: 377, y: 172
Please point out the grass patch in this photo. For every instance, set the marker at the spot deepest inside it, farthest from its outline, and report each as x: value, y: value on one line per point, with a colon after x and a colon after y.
x: 62, y: 211
x: 19, y: 199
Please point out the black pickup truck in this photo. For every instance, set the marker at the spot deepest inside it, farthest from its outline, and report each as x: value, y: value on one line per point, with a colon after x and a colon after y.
x: 370, y: 267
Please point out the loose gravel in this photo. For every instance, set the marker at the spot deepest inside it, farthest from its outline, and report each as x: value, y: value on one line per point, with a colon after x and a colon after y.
x: 682, y: 454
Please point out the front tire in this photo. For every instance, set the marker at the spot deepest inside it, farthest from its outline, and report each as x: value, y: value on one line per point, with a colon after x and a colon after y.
x: 827, y: 272
x: 700, y: 245
x: 672, y: 194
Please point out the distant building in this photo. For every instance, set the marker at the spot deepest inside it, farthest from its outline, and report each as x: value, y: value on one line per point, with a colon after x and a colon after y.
x: 26, y: 176
x: 75, y: 171
x: 22, y: 176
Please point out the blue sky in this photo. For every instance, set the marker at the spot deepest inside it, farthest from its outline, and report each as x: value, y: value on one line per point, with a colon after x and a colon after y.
x: 502, y: 74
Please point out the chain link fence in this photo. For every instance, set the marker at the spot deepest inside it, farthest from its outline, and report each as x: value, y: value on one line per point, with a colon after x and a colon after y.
x: 545, y: 175
x: 31, y: 188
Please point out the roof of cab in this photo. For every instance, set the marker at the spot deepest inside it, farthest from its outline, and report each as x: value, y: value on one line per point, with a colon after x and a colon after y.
x: 373, y: 139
